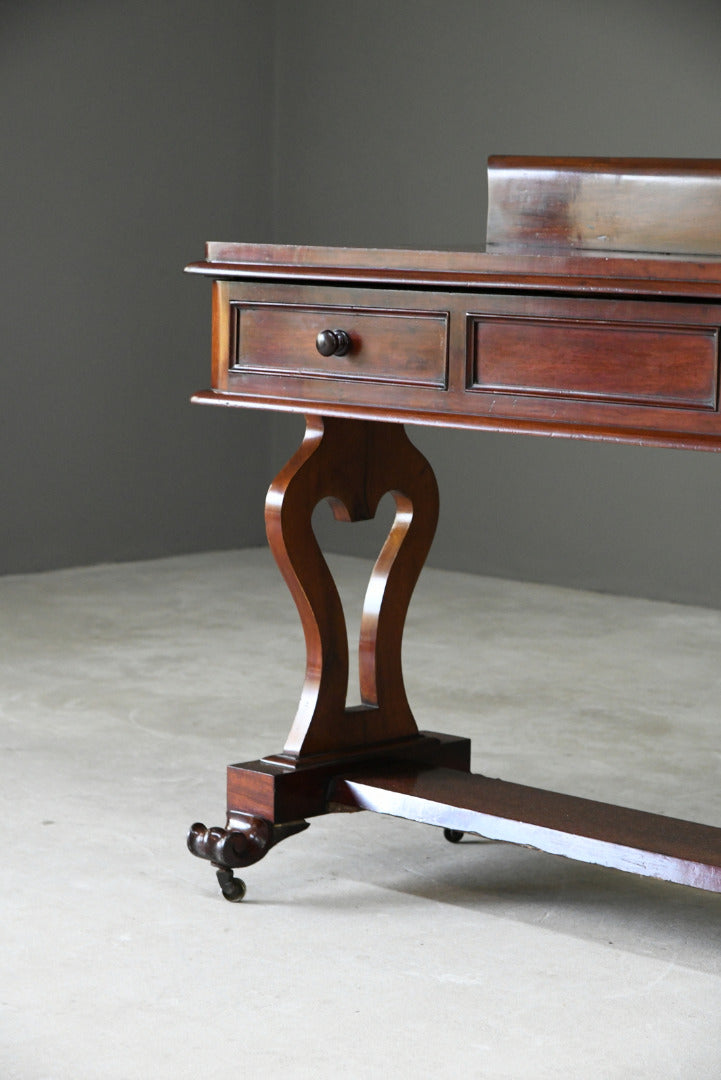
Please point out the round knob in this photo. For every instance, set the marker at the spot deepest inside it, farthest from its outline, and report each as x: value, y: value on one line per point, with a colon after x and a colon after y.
x: 333, y: 343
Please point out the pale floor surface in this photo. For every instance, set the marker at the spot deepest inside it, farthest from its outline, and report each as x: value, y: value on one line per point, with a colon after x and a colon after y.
x: 366, y: 947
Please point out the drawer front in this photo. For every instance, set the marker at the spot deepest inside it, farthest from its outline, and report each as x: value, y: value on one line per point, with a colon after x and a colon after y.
x: 405, y: 347
x: 634, y: 362
x: 621, y: 368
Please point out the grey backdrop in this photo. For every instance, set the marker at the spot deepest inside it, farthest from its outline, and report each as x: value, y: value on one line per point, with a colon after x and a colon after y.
x: 129, y: 134
x: 134, y: 133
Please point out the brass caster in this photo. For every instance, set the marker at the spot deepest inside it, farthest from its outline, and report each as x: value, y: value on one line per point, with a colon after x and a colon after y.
x: 232, y: 888
x: 453, y: 836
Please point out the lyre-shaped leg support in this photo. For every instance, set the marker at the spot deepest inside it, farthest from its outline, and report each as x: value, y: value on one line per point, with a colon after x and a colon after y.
x: 353, y: 464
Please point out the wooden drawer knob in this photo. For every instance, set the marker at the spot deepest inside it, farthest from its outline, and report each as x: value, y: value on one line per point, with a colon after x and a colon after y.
x: 333, y: 343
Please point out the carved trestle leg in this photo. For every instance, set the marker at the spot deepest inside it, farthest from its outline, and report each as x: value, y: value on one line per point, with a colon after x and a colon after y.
x: 353, y: 464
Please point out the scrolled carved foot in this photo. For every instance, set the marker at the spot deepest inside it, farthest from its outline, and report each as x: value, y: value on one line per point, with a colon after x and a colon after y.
x: 242, y: 845
x: 228, y: 848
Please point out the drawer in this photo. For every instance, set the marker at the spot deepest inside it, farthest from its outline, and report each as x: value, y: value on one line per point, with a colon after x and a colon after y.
x: 633, y: 354
x: 398, y: 346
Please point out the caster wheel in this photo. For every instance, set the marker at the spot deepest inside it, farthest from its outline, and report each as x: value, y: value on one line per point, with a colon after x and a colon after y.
x: 232, y: 888
x: 453, y: 836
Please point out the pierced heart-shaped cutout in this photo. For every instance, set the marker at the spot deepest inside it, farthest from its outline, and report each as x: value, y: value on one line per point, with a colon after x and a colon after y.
x: 352, y: 464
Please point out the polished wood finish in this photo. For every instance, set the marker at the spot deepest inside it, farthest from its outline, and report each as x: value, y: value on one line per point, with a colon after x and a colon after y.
x: 577, y: 366
x: 543, y: 333
x: 279, y: 790
x: 604, y: 204
x: 642, y: 274
x: 666, y: 364
x: 352, y: 464
x: 648, y: 844
x: 244, y: 844
x: 403, y: 346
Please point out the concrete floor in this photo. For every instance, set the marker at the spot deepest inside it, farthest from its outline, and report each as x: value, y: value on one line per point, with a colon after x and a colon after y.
x: 366, y: 947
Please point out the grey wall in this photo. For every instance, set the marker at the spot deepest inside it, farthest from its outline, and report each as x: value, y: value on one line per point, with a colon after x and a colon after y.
x: 387, y: 113
x: 129, y: 134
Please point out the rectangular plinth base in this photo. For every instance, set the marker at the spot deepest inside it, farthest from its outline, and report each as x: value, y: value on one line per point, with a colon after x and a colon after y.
x: 592, y: 832
x: 281, y: 790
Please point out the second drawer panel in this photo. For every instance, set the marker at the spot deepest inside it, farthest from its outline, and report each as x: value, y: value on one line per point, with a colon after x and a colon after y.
x: 633, y: 362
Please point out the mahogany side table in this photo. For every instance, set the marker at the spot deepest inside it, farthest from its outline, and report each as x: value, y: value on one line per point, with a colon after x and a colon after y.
x: 594, y: 313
